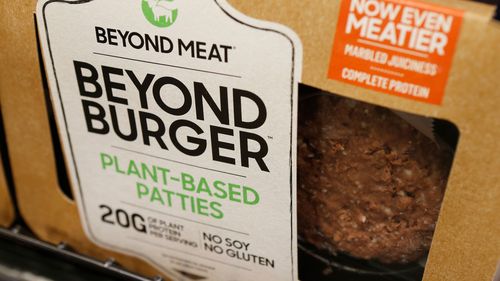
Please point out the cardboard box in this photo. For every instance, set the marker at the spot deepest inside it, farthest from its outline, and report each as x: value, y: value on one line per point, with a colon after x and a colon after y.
x: 466, y: 244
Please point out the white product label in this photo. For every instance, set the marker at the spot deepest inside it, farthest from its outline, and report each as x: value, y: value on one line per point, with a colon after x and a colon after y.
x: 178, y: 121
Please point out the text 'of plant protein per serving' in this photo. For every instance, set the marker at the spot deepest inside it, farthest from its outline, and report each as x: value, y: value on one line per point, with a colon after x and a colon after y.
x: 178, y: 122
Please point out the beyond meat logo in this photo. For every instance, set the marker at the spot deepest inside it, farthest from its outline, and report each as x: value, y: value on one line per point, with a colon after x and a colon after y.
x: 161, y: 13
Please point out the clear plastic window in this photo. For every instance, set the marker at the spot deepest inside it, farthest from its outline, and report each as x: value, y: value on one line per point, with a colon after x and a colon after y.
x: 370, y: 185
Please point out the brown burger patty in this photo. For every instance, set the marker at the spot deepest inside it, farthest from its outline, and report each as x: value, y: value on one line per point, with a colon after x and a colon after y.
x: 369, y: 184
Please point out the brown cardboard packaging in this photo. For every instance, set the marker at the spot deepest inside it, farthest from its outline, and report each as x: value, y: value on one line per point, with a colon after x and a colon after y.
x: 6, y: 208
x: 466, y: 244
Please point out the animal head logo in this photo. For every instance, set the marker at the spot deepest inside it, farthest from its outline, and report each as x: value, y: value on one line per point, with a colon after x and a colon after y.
x: 161, y: 13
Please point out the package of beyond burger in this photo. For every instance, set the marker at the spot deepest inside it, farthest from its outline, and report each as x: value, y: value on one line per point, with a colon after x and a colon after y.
x: 243, y: 140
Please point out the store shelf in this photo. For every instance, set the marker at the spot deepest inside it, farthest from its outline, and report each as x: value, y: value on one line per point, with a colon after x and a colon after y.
x: 24, y: 258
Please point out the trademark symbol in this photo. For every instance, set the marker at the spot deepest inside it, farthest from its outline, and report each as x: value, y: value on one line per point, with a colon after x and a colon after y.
x: 270, y: 137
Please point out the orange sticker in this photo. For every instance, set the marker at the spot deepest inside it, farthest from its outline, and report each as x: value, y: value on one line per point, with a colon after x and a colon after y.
x: 399, y: 47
